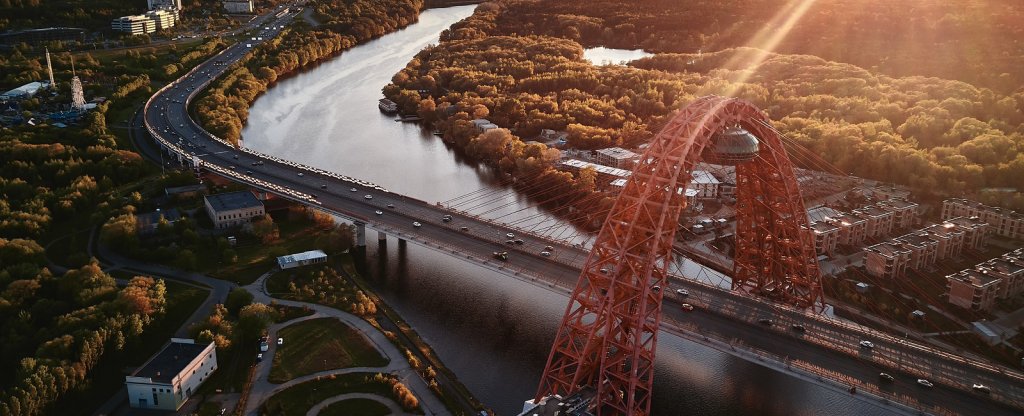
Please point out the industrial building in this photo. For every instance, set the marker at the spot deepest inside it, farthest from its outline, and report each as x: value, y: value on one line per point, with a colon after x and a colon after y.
x: 233, y: 208
x: 24, y: 92
x: 305, y: 258
x: 170, y: 377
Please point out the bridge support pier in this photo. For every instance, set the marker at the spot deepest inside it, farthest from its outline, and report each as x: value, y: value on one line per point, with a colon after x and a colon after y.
x: 382, y: 237
x: 360, y: 233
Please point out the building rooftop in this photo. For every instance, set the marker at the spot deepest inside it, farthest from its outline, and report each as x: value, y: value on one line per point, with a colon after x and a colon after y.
x: 1004, y: 265
x: 888, y: 249
x: 914, y: 239
x: 967, y: 222
x: 233, y: 200
x: 704, y: 177
x: 821, y: 214
x: 848, y: 219
x: 305, y: 255
x: 873, y: 210
x: 899, y: 203
x: 944, y: 230
x: 823, y: 227
x: 607, y: 170
x: 618, y: 153
x: 978, y: 205
x: 976, y: 278
x: 173, y: 358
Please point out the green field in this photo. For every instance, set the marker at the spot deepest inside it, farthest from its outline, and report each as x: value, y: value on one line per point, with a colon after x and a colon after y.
x: 355, y: 407
x: 321, y: 344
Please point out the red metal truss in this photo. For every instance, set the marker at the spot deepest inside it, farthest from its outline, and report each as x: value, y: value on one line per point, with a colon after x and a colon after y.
x: 608, y: 335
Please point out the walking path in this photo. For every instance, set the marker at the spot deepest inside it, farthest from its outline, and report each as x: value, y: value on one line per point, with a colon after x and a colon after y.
x: 394, y: 408
x: 398, y: 365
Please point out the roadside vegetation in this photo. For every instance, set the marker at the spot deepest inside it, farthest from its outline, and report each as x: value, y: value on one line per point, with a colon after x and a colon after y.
x: 321, y: 344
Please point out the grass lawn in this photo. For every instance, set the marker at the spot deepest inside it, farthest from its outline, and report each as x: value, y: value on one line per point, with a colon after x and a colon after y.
x: 321, y: 344
x: 355, y: 407
x: 233, y: 368
x: 108, y: 376
x: 298, y: 399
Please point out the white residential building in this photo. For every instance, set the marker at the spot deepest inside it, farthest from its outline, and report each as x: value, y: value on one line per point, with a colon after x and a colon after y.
x: 170, y: 377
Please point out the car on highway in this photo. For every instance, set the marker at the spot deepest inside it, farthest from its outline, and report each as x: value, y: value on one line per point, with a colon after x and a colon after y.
x: 518, y: 242
x: 391, y: 205
x: 464, y: 228
x: 798, y: 328
x: 248, y: 172
x: 353, y: 190
x: 510, y: 235
x: 301, y: 174
x: 867, y: 344
x: 925, y: 383
x: 886, y: 377
x: 683, y: 292
x: 687, y: 307
x: 545, y: 253
x: 446, y: 218
x: 416, y: 224
x: 981, y: 388
x: 378, y: 212
x: 765, y: 321
x: 501, y: 255
x: 235, y: 156
x: 368, y: 196
x: 323, y: 186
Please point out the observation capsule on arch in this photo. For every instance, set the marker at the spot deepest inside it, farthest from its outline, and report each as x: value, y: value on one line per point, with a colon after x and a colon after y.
x: 732, y: 146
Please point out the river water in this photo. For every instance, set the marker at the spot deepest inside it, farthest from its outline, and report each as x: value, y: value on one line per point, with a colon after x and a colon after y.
x: 492, y: 331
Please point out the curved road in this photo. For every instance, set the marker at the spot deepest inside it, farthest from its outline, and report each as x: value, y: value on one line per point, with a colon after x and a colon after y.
x: 829, y: 344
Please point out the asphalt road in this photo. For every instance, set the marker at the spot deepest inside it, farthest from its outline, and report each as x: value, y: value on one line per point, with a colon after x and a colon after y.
x: 826, y: 343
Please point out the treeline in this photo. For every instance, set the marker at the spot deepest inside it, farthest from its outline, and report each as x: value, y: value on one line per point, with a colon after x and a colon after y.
x: 939, y: 135
x: 968, y: 41
x: 56, y: 329
x: 89, y: 14
x: 224, y: 107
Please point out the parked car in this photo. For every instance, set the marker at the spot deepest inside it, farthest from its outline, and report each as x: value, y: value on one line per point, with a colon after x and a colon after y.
x: 280, y: 341
x: 259, y: 357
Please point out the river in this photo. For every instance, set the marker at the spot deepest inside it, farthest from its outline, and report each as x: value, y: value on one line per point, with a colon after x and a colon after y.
x: 492, y: 331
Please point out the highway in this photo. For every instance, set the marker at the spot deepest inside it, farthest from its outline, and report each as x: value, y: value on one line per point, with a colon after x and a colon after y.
x: 721, y: 315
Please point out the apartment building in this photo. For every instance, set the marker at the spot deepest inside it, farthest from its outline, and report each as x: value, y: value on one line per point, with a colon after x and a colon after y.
x: 1004, y: 222
x: 888, y: 260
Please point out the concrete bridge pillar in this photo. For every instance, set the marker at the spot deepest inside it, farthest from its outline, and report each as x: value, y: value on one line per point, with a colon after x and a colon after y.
x: 382, y: 237
x: 360, y: 234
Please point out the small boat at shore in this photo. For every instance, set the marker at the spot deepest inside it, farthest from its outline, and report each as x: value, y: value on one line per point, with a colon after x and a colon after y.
x: 387, y: 106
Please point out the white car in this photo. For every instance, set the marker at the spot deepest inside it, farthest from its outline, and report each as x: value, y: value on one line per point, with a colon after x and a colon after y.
x: 280, y: 341
x: 510, y: 235
x: 981, y: 388
x: 368, y: 196
x: 867, y: 344
x: 300, y: 174
x: 354, y: 190
x: 378, y: 212
x: 545, y: 253
x: 925, y: 383
x: 416, y: 224
x: 682, y: 292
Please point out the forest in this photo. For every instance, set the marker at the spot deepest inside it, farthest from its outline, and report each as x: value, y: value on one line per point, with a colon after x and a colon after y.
x: 504, y: 63
x: 54, y: 181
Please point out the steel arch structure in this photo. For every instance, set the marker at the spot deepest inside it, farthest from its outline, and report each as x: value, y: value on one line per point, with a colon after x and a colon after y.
x: 608, y: 335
